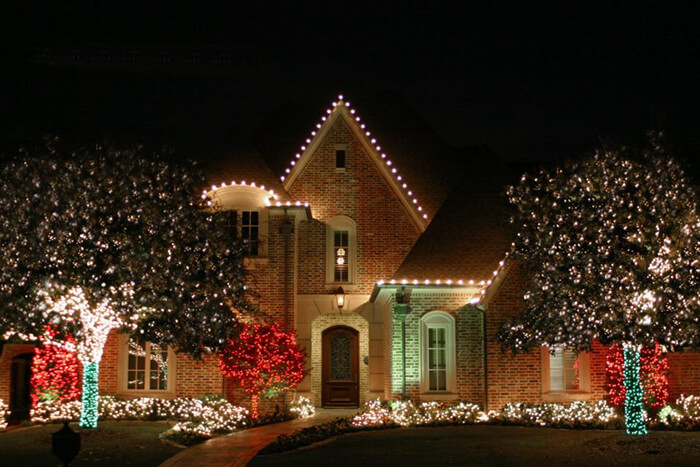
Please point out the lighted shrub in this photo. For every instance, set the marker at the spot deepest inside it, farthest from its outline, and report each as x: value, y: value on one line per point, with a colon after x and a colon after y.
x: 4, y: 413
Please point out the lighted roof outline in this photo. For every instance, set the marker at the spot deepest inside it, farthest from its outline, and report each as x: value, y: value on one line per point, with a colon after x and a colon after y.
x: 386, y: 166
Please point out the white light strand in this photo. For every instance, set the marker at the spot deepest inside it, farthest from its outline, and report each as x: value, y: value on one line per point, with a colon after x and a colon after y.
x: 371, y: 140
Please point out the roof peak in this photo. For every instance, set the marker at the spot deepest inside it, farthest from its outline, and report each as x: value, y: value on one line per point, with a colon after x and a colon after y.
x: 341, y: 108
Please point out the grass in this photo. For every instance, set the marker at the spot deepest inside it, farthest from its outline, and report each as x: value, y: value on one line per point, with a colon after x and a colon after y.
x: 495, y: 445
x: 111, y: 444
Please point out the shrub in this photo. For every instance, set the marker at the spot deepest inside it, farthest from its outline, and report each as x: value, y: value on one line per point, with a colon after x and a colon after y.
x: 685, y: 415
x: 4, y: 413
x: 302, y: 407
x: 578, y: 414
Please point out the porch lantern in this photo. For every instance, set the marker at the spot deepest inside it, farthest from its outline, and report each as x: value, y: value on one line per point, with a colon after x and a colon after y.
x: 402, y: 300
x: 340, y: 298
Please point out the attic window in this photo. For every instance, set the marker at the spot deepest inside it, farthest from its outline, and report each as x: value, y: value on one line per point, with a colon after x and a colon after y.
x: 340, y: 158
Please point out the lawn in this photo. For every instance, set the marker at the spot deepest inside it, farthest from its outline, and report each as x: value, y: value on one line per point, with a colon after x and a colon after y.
x: 495, y: 445
x: 111, y: 444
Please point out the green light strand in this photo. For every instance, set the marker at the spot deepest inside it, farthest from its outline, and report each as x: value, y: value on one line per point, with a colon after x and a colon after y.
x: 88, y: 412
x: 634, y: 413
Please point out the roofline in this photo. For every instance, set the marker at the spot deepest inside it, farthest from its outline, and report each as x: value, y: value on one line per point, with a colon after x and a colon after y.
x: 474, y: 289
x: 341, y: 108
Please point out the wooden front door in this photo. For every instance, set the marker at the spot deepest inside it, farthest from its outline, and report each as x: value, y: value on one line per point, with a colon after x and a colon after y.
x: 341, y: 385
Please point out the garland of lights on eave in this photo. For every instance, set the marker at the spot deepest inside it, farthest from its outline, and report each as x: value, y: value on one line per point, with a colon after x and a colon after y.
x: 370, y: 139
x: 484, y: 284
x: 214, y: 188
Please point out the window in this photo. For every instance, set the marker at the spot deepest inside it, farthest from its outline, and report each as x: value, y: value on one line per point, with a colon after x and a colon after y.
x: 250, y: 226
x: 438, y: 369
x: 244, y: 225
x: 341, y: 245
x: 148, y: 365
x: 565, y: 371
x: 340, y: 256
x: 340, y: 158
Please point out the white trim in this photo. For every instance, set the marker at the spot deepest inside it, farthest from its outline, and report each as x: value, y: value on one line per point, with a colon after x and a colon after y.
x: 439, y: 320
x: 584, y: 390
x: 334, y: 224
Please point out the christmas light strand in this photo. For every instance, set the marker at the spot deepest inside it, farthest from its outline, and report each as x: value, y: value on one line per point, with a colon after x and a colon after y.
x: 343, y: 105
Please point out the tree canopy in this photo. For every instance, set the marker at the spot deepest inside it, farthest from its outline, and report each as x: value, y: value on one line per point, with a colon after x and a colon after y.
x: 611, y: 250
x: 128, y: 230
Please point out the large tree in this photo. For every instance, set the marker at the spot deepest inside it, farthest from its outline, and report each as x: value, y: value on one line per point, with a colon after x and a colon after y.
x: 96, y: 239
x: 611, y: 246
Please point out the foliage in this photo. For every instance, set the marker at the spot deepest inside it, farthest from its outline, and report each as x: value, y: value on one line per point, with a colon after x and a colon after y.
x: 684, y: 416
x: 55, y: 374
x: 653, y: 374
x: 220, y: 414
x: 310, y: 435
x: 4, y: 413
x: 405, y: 413
x: 127, y: 229
x: 611, y: 246
x: 575, y: 415
x: 264, y: 360
x: 302, y: 407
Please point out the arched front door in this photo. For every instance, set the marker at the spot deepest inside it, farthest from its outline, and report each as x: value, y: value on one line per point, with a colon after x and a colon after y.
x: 20, y: 377
x: 341, y: 376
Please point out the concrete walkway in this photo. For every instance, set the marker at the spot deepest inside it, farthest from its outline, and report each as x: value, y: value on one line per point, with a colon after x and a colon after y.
x: 237, y: 449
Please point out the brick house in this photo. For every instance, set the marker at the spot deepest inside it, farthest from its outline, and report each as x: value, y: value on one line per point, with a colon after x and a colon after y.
x: 386, y: 255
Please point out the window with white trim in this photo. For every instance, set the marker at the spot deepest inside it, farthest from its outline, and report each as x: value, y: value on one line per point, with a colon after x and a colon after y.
x: 148, y: 365
x: 438, y: 362
x: 565, y: 370
x: 341, y: 248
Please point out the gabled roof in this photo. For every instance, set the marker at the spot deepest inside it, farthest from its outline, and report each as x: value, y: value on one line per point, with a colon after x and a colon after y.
x: 468, y: 238
x: 415, y: 156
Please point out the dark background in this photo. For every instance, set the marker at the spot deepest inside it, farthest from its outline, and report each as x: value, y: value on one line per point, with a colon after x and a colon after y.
x: 533, y: 84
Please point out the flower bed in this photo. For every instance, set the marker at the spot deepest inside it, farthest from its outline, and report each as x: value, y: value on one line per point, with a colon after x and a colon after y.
x: 378, y: 414
x: 197, y: 419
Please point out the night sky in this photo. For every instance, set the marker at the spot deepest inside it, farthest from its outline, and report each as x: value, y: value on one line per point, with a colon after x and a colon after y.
x: 530, y: 84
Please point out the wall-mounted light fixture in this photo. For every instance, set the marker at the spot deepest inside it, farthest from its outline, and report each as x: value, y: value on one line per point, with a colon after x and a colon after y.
x: 340, y: 298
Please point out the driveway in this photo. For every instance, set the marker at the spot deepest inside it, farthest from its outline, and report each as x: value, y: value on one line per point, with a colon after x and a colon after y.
x: 494, y: 445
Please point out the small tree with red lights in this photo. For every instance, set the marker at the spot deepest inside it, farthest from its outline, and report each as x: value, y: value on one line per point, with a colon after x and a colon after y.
x: 653, y: 373
x: 264, y: 360
x: 55, y: 374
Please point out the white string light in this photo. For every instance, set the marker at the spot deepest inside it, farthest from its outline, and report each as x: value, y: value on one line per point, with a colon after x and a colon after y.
x: 372, y: 141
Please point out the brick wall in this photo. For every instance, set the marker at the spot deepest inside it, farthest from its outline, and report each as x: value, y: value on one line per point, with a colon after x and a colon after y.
x: 9, y: 351
x: 468, y: 345
x: 385, y: 232
x: 684, y: 374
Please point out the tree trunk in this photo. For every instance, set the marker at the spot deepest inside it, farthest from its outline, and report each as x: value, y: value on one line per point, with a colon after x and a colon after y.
x: 634, y: 412
x: 254, y: 402
x: 88, y: 411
